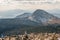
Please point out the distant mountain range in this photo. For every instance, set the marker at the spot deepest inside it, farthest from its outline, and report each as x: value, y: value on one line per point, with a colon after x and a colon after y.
x: 30, y: 21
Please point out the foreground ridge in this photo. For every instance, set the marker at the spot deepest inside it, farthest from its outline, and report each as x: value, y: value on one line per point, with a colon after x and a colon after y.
x: 33, y: 36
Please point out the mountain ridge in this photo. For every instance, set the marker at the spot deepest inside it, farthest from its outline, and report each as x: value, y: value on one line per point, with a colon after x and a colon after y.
x: 38, y: 19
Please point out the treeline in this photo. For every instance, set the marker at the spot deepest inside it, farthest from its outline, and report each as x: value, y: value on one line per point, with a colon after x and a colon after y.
x: 33, y: 29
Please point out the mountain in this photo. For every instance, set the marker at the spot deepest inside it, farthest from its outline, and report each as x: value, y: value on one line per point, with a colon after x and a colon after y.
x: 40, y: 19
x: 24, y: 15
x: 41, y: 16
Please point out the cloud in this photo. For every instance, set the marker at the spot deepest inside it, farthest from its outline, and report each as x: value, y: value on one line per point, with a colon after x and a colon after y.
x: 13, y: 4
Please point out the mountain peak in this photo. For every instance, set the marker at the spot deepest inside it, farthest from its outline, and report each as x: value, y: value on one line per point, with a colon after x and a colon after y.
x: 42, y: 15
x: 40, y: 12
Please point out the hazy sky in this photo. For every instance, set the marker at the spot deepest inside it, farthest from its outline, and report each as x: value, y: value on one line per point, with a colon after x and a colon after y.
x: 18, y: 4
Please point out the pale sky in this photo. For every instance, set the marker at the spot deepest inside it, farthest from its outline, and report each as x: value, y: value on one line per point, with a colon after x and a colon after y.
x: 14, y: 4
x: 11, y: 4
